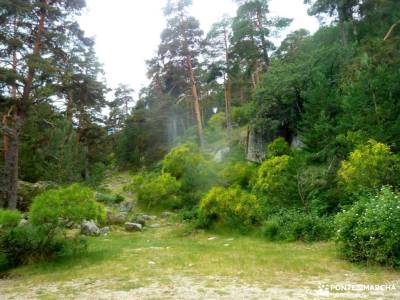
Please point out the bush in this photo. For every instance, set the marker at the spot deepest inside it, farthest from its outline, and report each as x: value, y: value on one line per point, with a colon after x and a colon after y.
x: 229, y: 206
x: 157, y: 191
x: 277, y: 182
x: 278, y: 147
x: 9, y: 218
x: 28, y: 243
x: 370, y: 229
x: 239, y: 173
x: 292, y: 225
x: 109, y: 199
x: 44, y: 237
x: 195, y: 173
x: 74, y: 203
x: 369, y: 167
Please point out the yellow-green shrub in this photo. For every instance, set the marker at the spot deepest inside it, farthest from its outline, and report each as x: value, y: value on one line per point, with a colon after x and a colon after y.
x: 157, y: 191
x: 229, y: 206
x: 369, y: 167
x: 9, y: 218
x: 278, y: 147
x: 276, y: 181
x: 238, y: 173
x: 74, y: 203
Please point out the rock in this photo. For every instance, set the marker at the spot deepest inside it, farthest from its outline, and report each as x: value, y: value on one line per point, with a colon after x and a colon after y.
x: 139, y: 219
x: 104, y: 230
x: 27, y: 191
x: 166, y: 214
x: 133, y: 227
x: 126, y: 206
x: 212, y: 238
x: 219, y: 156
x: 116, y: 218
x: 23, y: 222
x: 155, y: 226
x: 90, y: 228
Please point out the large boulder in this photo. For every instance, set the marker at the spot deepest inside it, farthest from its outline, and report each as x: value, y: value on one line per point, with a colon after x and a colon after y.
x: 116, y: 218
x: 126, y: 206
x: 90, y: 228
x: 27, y: 191
x: 140, y: 219
x: 133, y: 227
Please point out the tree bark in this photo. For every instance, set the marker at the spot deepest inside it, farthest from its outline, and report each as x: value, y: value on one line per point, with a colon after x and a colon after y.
x: 196, y: 102
x: 228, y: 86
x: 19, y: 112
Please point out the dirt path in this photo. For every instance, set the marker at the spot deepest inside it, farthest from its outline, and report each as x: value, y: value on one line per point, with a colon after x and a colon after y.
x: 181, y: 287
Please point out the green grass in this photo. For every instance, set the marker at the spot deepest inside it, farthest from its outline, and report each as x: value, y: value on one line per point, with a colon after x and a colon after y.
x: 127, y: 261
x: 122, y: 256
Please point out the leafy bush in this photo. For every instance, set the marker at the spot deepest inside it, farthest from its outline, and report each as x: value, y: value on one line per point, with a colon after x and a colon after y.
x: 278, y: 147
x: 229, y: 206
x: 370, y: 229
x: 369, y: 167
x: 276, y: 180
x: 74, y: 203
x: 109, y: 199
x: 44, y: 237
x: 217, y: 121
x: 9, y: 218
x: 192, y: 169
x: 239, y: 173
x: 292, y: 225
x: 157, y: 191
x: 29, y: 243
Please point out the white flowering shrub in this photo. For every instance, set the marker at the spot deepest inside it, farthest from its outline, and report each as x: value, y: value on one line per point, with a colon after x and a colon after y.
x: 370, y: 229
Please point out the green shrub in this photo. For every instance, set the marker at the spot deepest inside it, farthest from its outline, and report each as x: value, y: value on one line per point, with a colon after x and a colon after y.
x: 195, y: 172
x: 369, y: 167
x: 278, y: 147
x: 370, y: 229
x: 160, y: 191
x: 28, y: 243
x: 239, y: 173
x: 74, y: 203
x: 44, y: 237
x: 109, y: 199
x: 229, y: 206
x: 9, y: 218
x: 293, y: 224
x: 277, y: 182
x: 217, y: 121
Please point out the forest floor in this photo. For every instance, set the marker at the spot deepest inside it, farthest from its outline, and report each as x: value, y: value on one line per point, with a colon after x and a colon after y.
x: 172, y: 262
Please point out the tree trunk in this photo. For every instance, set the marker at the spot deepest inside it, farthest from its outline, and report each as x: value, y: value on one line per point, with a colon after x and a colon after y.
x: 196, y: 102
x: 228, y: 86
x: 19, y: 111
x: 70, y: 108
x: 11, y: 164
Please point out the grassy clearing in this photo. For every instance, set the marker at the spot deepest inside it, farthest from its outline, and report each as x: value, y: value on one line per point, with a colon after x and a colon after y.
x: 174, y: 262
x: 125, y: 261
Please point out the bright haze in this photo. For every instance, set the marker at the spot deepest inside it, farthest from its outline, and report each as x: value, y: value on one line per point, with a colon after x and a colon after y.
x: 127, y: 32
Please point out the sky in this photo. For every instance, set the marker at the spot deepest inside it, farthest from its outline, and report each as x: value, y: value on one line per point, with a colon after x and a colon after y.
x: 127, y: 32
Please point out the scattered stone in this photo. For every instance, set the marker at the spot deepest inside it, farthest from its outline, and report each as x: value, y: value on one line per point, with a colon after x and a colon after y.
x: 221, y: 153
x: 105, y: 230
x: 152, y: 263
x: 166, y: 214
x: 90, y: 228
x: 23, y: 222
x: 133, y: 227
x: 212, y: 238
x: 155, y: 225
x: 126, y: 206
x: 116, y: 218
x: 140, y: 219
